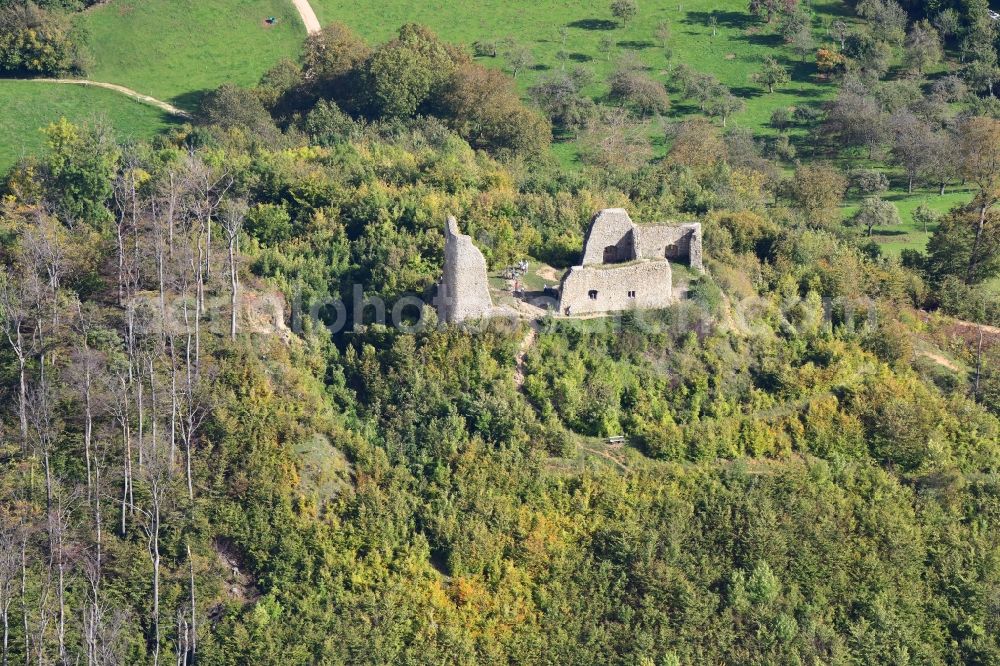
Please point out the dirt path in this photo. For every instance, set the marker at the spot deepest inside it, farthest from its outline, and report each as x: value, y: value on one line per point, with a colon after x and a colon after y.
x: 308, y: 16
x: 522, y: 350
x: 548, y: 273
x: 940, y: 360
x: 145, y: 99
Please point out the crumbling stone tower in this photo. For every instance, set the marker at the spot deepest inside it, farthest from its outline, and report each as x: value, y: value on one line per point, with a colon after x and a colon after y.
x: 464, y: 290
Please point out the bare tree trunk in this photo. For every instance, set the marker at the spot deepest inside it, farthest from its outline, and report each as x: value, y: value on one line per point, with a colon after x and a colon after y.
x: 979, y: 364
x: 208, y: 247
x: 22, y: 397
x: 183, y: 643
x: 974, y: 253
x: 61, y: 519
x: 121, y: 263
x: 233, y: 285
x: 156, y: 577
x: 171, y: 210
x: 13, y: 316
x: 88, y: 413
x: 186, y: 424
x: 140, y: 411
x: 98, y: 525
x: 24, y: 598
x: 6, y: 633
x: 8, y: 574
x: 198, y: 310
x: 194, y: 611
x: 123, y: 417
x: 155, y: 475
x: 173, y: 401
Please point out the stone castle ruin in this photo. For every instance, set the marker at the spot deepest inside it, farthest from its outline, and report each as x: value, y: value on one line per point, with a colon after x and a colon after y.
x: 627, y: 266
x: 464, y: 290
x: 624, y: 266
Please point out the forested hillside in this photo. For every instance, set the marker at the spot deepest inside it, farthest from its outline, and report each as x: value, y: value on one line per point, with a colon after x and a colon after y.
x: 211, y: 454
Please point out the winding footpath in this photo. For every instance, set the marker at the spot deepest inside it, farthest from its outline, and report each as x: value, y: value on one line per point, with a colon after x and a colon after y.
x: 302, y: 6
x: 308, y: 16
x: 145, y: 99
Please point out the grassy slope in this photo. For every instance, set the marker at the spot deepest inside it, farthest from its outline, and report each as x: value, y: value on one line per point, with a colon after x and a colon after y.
x: 176, y: 50
x: 29, y: 105
x: 732, y: 54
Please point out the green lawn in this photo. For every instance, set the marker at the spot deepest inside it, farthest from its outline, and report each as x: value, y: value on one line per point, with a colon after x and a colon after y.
x: 733, y: 54
x: 176, y: 50
x: 29, y: 105
x: 909, y: 235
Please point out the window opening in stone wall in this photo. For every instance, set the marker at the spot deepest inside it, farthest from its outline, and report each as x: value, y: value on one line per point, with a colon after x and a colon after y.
x: 631, y: 294
x: 592, y: 294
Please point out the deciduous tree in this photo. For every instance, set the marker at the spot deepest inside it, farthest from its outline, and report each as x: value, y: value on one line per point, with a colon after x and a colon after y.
x: 771, y: 74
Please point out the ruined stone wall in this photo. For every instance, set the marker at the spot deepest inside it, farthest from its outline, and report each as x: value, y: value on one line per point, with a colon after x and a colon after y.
x: 464, y: 291
x: 649, y: 282
x: 614, y: 238
x: 610, y: 228
x: 681, y: 241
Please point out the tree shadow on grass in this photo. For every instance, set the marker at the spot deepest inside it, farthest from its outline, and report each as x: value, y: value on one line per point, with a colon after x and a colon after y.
x: 746, y: 92
x: 737, y: 20
x: 190, y: 100
x: 635, y: 44
x: 769, y: 40
x: 580, y: 57
x: 593, y: 24
x: 683, y: 108
x: 832, y: 8
x: 801, y: 70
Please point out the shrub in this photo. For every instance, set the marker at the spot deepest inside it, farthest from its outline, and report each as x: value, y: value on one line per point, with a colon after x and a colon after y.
x: 781, y: 118
x: 269, y: 224
x: 232, y: 107
x: 327, y: 125
x: 806, y: 114
x: 868, y: 181
x: 485, y: 48
x: 483, y: 107
x: 35, y: 42
x: 402, y: 74
x: 874, y: 211
x: 639, y: 91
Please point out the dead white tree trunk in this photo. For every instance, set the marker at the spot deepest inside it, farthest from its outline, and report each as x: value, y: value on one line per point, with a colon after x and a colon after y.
x: 14, y: 317
x: 232, y: 223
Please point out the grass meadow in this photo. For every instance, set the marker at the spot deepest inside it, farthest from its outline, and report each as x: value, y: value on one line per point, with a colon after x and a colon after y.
x: 31, y: 105
x: 176, y: 50
x: 577, y: 27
